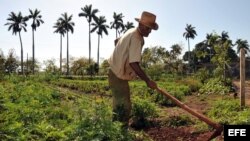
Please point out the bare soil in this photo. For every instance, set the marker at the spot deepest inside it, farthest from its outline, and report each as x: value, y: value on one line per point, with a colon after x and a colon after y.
x: 247, y: 90
x: 188, y: 133
x: 183, y: 133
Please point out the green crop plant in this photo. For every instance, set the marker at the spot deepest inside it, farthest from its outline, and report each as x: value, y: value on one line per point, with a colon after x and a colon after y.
x: 142, y: 111
x: 223, y: 109
x: 214, y: 86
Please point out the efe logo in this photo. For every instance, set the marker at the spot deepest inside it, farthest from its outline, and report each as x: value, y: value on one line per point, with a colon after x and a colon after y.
x: 236, y: 132
x: 241, y: 132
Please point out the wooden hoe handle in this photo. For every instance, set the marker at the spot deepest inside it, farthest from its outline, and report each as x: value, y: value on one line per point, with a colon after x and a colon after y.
x: 189, y: 110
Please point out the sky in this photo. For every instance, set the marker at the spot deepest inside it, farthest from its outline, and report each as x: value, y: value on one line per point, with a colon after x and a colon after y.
x: 207, y: 16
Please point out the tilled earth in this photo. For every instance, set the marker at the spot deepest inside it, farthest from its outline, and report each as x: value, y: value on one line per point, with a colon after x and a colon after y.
x: 182, y: 133
x: 178, y: 134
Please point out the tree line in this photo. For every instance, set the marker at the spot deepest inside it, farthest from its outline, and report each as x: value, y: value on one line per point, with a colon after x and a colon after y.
x: 216, y: 49
x: 17, y: 23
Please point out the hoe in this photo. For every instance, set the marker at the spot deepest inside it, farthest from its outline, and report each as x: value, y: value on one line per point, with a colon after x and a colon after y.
x: 218, y: 127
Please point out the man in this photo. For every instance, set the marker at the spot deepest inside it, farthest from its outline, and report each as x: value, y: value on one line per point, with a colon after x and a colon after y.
x: 124, y: 66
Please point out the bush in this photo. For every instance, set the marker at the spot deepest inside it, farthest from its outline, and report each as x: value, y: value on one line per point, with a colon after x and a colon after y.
x: 193, y: 84
x: 203, y: 74
x: 163, y: 100
x: 51, y: 76
x: 228, y: 111
x: 176, y: 90
x: 142, y: 111
x: 214, y: 86
x: 98, y: 125
x: 155, y: 72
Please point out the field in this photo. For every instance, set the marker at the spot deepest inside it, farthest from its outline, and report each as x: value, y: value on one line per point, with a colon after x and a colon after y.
x: 47, y: 107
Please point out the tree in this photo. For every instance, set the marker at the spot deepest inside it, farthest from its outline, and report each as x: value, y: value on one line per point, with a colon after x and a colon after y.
x: 176, y: 51
x: 221, y: 57
x: 210, y: 42
x: 153, y: 56
x: 190, y: 33
x: 224, y: 37
x: 101, y: 27
x: 29, y: 65
x: 117, y: 24
x: 79, y: 66
x: 67, y: 24
x: 16, y: 23
x: 202, y: 52
x: 242, y: 44
x: 50, y: 65
x: 92, y: 69
x: 127, y: 26
x: 36, y: 21
x: 61, y: 30
x: 105, y: 66
x: 153, y: 60
x: 146, y: 57
x: 2, y: 62
x: 173, y: 63
x: 11, y: 63
x: 89, y: 14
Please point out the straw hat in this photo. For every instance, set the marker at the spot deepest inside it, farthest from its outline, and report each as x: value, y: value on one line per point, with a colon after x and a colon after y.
x: 148, y: 19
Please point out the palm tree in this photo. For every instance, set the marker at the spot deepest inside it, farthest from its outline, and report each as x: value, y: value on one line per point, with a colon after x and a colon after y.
x: 67, y: 25
x: 36, y: 21
x: 209, y: 42
x: 60, y: 29
x: 127, y: 26
x: 190, y: 33
x: 224, y: 36
x: 16, y: 23
x: 242, y: 44
x: 176, y: 50
x: 101, y: 27
x: 117, y: 24
x: 202, y: 52
x: 2, y: 63
x: 88, y: 13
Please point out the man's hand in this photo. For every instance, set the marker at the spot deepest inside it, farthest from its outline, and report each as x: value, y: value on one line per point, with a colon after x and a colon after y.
x: 136, y: 67
x: 151, y: 84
